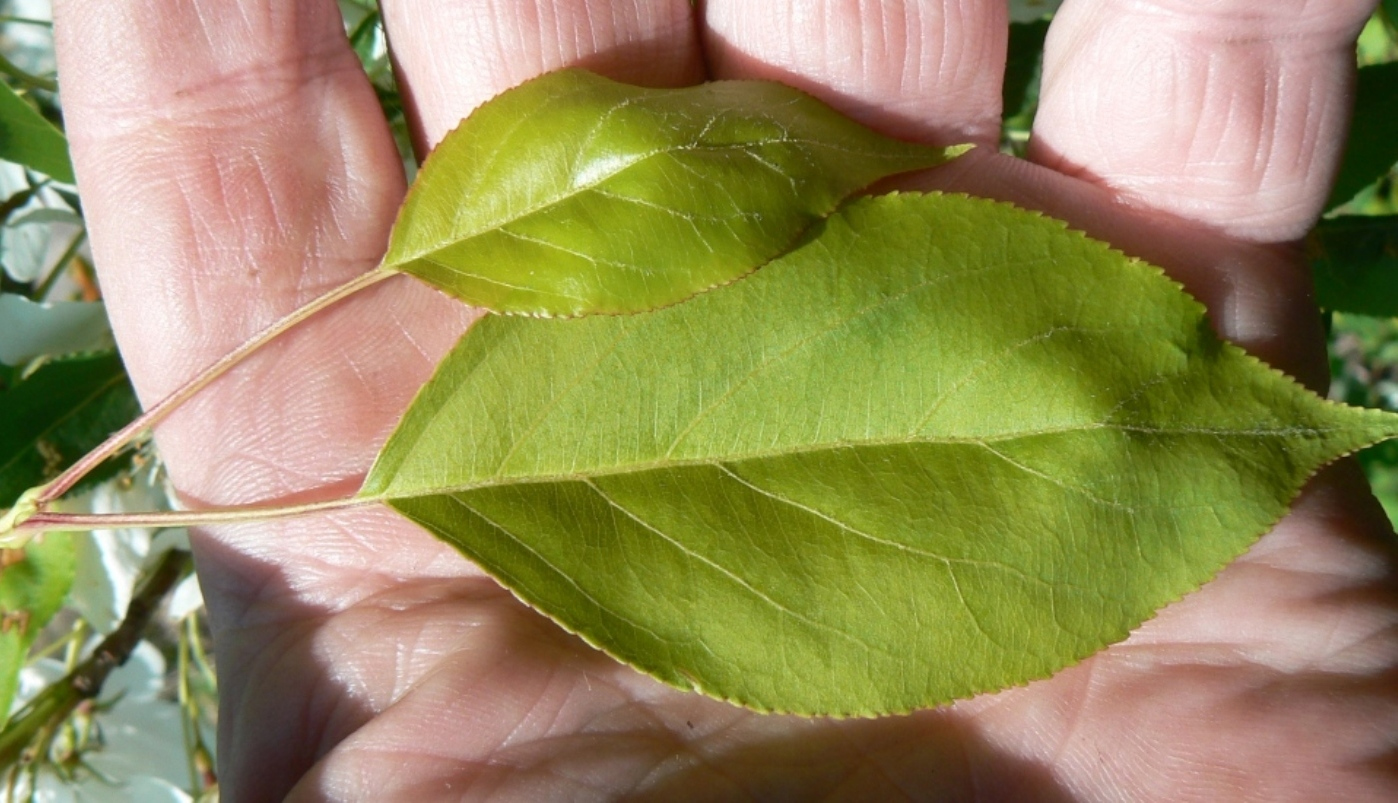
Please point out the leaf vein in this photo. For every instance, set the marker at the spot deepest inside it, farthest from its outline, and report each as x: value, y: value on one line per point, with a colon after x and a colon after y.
x: 725, y: 572
x: 505, y: 531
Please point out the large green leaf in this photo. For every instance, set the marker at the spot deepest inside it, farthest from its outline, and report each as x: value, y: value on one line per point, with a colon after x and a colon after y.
x: 27, y: 138
x: 573, y: 194
x: 34, y: 582
x: 1355, y: 263
x: 944, y: 447
x: 56, y: 414
x: 1373, y: 139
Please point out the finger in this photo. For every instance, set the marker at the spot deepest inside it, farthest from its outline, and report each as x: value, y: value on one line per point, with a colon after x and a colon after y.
x: 1230, y: 113
x: 453, y: 56
x: 920, y: 69
x: 234, y: 164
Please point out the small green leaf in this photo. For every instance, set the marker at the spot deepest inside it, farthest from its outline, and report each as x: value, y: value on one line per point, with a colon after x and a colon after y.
x: 33, y: 584
x: 28, y: 139
x: 56, y: 415
x: 573, y: 194
x: 1355, y: 264
x: 1373, y: 139
x: 944, y: 447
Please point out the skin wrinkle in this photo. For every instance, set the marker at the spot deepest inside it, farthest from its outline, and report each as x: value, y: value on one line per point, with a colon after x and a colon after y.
x: 850, y: 64
x: 1274, y: 44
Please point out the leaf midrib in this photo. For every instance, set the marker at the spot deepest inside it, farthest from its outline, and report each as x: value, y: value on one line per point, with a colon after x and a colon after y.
x: 499, y: 481
x: 625, y: 166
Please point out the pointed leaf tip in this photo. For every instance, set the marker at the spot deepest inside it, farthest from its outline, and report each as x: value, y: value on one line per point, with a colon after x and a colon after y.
x: 573, y: 194
x: 944, y: 447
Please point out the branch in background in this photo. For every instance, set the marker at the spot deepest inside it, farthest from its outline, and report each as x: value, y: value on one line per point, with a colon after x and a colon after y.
x: 56, y: 702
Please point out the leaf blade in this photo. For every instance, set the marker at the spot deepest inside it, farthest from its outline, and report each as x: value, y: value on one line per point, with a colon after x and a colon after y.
x: 28, y: 139
x: 1354, y: 260
x: 33, y: 584
x: 56, y: 414
x: 574, y: 195
x: 1372, y: 148
x: 775, y: 481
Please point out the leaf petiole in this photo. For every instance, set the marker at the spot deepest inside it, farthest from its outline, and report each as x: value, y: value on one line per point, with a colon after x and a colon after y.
x: 47, y: 493
x: 44, y: 521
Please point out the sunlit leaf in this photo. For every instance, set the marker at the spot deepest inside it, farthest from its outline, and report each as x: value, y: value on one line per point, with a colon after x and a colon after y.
x: 573, y: 194
x: 56, y: 414
x: 33, y: 583
x: 1373, y: 140
x: 27, y: 138
x: 1355, y: 263
x: 946, y: 446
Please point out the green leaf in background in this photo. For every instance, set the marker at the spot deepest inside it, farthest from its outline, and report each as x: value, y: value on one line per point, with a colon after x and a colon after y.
x: 28, y: 139
x: 56, y: 415
x: 1031, y: 10
x: 945, y: 446
x: 1373, y: 140
x: 33, y: 584
x: 573, y: 194
x: 1355, y: 264
x: 1022, y: 67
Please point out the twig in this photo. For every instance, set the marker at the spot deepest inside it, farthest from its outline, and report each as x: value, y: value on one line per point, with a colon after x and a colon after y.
x: 60, y: 485
x: 42, y: 292
x: 42, y: 522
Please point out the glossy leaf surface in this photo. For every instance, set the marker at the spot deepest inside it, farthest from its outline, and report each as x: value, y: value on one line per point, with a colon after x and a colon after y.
x: 947, y: 446
x: 56, y: 414
x: 28, y: 139
x: 573, y: 194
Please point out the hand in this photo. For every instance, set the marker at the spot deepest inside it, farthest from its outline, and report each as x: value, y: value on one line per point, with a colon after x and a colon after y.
x: 234, y: 164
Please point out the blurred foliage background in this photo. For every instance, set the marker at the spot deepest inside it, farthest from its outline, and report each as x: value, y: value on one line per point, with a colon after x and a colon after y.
x: 106, y: 667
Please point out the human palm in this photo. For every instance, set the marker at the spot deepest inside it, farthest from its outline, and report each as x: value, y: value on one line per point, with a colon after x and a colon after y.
x: 234, y: 164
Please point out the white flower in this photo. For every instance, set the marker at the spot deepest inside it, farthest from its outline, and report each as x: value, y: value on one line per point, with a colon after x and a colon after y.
x: 185, y: 599
x: 30, y: 47
x: 110, y: 561
x: 141, y: 753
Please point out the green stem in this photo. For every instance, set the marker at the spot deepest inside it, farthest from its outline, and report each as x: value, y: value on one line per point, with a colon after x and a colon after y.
x: 11, y: 19
x: 43, y: 290
x: 196, y: 750
x: 55, y: 703
x: 25, y: 79
x: 189, y: 722
x: 44, y: 521
x: 60, y: 485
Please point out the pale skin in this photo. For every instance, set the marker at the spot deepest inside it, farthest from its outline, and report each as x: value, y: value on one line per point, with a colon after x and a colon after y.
x: 233, y: 164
